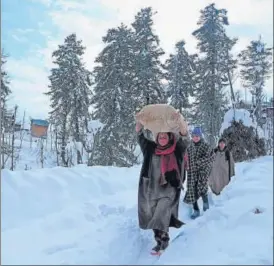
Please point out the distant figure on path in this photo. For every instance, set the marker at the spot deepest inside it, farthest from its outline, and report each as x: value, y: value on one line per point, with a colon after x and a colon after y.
x: 223, y: 168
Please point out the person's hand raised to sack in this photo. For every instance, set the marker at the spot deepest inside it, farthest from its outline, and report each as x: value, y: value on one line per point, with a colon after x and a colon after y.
x: 138, y: 126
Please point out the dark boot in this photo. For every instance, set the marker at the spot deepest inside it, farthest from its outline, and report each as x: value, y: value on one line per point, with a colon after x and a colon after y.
x: 164, y: 241
x: 157, y: 236
x: 196, y: 211
x: 205, y: 202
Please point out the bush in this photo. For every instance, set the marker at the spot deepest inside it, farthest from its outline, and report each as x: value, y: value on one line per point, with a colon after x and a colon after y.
x: 243, y: 142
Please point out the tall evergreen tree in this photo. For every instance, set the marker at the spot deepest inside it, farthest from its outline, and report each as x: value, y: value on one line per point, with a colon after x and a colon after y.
x: 5, y: 92
x: 69, y: 92
x: 113, y: 99
x: 256, y: 63
x: 148, y: 72
x: 181, y: 77
x: 214, y: 66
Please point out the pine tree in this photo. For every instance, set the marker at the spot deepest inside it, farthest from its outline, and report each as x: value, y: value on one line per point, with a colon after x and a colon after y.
x: 113, y: 99
x: 214, y: 67
x: 148, y: 71
x: 181, y: 77
x: 256, y: 63
x: 69, y: 93
x: 5, y: 90
x: 5, y: 148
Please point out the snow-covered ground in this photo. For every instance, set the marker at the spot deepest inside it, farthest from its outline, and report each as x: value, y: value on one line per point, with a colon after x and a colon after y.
x: 34, y: 153
x: 88, y: 215
x: 28, y: 152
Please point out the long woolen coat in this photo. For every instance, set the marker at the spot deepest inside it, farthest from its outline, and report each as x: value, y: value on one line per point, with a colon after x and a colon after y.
x: 154, y: 211
x: 200, y: 163
x: 222, y: 170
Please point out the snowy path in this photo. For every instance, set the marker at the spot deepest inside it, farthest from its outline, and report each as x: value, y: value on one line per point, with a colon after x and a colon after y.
x: 88, y: 216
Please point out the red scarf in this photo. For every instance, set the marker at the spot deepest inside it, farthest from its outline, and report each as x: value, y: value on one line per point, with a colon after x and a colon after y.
x: 168, y: 158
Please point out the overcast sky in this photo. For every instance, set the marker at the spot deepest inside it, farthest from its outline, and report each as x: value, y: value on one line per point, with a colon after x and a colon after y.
x: 32, y: 29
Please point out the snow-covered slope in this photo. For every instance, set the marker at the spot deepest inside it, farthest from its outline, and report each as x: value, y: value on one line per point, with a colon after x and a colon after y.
x: 88, y: 215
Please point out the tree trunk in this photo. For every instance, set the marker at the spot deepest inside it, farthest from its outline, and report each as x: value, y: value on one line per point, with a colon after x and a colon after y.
x: 77, y: 139
x: 42, y: 152
x: 63, y: 144
x: 56, y: 146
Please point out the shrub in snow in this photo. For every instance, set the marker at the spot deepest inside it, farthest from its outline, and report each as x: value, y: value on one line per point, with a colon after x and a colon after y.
x: 243, y: 141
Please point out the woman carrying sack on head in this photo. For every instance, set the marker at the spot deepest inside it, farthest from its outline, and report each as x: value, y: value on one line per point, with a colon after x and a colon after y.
x: 160, y: 184
x: 223, y: 168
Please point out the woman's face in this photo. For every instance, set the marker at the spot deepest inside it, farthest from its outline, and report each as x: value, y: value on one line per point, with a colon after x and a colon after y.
x: 221, y: 145
x: 163, y: 139
x: 196, y: 138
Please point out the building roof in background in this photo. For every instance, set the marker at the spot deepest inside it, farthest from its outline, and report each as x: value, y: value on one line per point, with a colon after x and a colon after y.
x: 39, y: 122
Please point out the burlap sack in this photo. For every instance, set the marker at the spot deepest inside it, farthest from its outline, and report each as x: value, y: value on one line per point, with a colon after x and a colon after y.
x: 158, y: 118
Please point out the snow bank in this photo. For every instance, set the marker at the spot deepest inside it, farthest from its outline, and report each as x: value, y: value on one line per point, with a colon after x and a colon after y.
x: 27, y: 195
x: 239, y: 114
x: 88, y: 215
x: 230, y: 233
